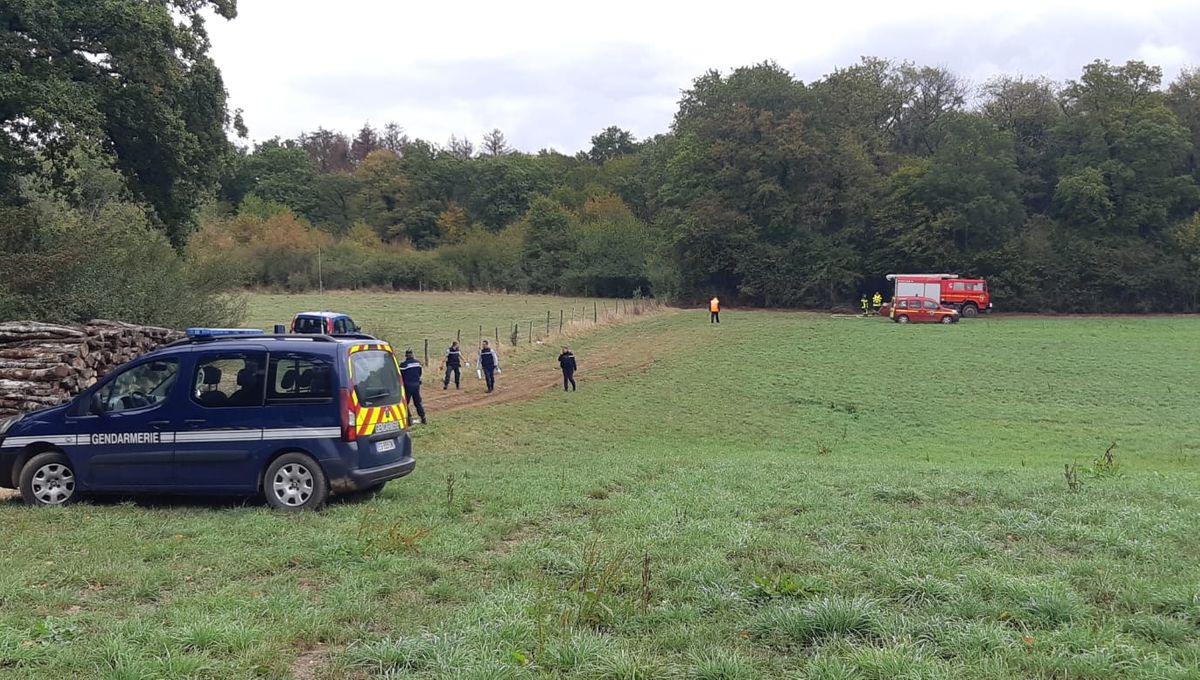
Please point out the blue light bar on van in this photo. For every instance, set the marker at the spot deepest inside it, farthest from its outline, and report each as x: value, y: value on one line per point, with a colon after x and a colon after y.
x: 218, y: 332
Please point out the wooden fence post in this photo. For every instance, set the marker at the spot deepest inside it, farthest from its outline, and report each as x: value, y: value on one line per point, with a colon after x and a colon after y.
x: 560, y: 321
x: 595, y: 315
x: 547, y: 323
x: 427, y: 352
x: 530, y: 333
x: 458, y: 335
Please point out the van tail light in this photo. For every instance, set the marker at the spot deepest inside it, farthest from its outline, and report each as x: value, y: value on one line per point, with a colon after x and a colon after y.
x: 349, y: 418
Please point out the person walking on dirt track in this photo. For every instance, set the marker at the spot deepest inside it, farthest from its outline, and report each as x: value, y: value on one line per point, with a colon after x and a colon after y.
x: 566, y: 361
x: 452, y: 364
x: 714, y: 310
x: 489, y: 363
x: 410, y: 371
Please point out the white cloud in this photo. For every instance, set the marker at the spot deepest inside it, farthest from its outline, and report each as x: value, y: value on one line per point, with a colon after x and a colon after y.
x: 551, y: 74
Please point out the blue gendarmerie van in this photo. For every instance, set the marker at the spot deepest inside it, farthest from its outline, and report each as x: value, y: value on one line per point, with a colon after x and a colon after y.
x: 297, y: 418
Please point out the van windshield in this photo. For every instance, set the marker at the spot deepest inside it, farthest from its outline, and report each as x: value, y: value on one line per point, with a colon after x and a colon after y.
x: 376, y: 378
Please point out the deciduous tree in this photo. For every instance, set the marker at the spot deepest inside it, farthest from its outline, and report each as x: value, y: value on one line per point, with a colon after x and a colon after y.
x: 495, y: 144
x: 131, y: 78
x: 612, y: 143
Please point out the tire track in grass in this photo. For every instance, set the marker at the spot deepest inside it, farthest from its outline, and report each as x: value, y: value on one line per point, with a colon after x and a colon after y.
x: 531, y: 379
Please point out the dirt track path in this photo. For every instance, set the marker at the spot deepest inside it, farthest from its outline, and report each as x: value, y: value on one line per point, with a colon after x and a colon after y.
x: 635, y: 353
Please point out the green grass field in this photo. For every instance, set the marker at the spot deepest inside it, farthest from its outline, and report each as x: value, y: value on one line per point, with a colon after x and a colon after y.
x: 786, y: 495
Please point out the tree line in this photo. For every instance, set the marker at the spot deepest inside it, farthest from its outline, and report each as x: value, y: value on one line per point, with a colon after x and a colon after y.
x: 1076, y: 196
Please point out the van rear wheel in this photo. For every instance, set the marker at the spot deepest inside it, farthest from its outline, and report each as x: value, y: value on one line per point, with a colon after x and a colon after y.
x: 970, y: 311
x: 295, y: 482
x: 902, y: 319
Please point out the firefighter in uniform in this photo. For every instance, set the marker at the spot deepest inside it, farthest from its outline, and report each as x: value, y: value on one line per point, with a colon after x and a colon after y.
x: 489, y: 363
x: 714, y: 310
x: 866, y: 305
x: 410, y: 371
x: 452, y: 364
x: 876, y: 302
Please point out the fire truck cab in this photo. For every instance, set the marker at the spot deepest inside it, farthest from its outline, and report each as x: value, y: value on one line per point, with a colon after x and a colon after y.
x: 968, y: 296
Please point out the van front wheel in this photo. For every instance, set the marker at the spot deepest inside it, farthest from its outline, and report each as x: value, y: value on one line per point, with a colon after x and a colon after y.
x: 48, y: 479
x: 295, y: 482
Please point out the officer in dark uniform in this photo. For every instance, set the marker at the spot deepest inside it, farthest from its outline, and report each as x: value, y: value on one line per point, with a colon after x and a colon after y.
x: 566, y: 361
x: 410, y: 371
x: 452, y: 364
x: 489, y: 362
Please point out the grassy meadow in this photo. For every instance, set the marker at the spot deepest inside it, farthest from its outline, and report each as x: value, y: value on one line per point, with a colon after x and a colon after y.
x: 785, y: 495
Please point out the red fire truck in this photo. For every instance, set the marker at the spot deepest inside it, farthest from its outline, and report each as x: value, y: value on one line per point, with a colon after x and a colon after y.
x: 968, y: 296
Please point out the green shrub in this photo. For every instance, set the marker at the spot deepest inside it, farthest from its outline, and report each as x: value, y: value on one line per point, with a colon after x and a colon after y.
x: 111, y: 262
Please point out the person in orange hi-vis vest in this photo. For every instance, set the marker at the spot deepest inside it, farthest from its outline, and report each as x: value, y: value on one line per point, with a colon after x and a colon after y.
x: 714, y: 308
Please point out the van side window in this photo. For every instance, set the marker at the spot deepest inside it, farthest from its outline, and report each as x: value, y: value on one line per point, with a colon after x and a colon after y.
x: 930, y: 304
x: 142, y: 386
x: 299, y: 378
x: 340, y: 327
x: 229, y: 379
x: 902, y: 304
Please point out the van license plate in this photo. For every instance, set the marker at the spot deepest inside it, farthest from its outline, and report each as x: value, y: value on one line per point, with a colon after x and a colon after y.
x: 382, y: 428
x: 385, y: 445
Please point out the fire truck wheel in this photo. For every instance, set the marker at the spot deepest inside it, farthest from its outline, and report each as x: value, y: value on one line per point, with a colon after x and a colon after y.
x: 902, y: 319
x: 970, y: 311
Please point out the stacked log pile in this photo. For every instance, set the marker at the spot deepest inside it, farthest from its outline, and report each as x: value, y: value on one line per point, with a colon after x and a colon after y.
x: 45, y: 364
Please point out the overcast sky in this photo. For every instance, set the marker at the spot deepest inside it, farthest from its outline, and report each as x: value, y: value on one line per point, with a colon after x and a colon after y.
x: 552, y: 74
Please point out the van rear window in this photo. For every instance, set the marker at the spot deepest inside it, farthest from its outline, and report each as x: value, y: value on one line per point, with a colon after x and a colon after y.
x: 299, y: 378
x: 376, y: 378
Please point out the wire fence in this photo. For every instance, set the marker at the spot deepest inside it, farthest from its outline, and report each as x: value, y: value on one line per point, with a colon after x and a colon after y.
x: 562, y: 323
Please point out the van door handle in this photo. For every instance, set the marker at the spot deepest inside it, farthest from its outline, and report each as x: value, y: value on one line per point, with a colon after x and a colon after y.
x: 159, y: 424
x: 194, y: 421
